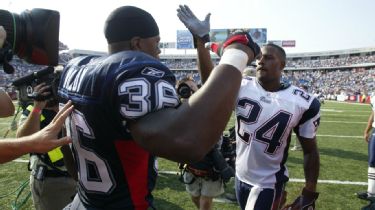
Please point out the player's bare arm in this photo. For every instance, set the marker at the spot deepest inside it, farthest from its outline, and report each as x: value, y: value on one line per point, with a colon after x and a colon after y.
x: 181, y: 129
x: 311, y: 162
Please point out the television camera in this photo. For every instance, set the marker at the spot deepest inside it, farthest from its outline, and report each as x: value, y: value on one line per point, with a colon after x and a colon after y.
x: 26, y: 86
x: 33, y: 36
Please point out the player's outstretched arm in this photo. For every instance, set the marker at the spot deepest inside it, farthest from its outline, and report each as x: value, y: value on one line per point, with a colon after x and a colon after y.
x: 188, y: 132
x: 39, y: 142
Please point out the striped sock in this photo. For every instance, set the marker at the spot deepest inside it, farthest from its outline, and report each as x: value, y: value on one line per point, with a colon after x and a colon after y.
x: 371, y: 181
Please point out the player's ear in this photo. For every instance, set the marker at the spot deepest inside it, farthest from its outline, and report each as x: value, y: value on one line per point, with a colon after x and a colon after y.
x: 135, y: 43
x: 282, y: 64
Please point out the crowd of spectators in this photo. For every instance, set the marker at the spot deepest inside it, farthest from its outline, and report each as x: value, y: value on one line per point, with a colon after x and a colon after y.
x: 347, y: 61
x: 331, y: 62
x: 329, y: 82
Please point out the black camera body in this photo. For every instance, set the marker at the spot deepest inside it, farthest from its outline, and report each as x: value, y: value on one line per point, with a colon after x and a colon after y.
x: 228, y: 147
x: 33, y: 36
x: 221, y: 165
x: 25, y: 86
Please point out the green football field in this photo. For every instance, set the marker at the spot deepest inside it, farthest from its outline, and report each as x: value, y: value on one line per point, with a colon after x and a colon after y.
x: 343, y: 170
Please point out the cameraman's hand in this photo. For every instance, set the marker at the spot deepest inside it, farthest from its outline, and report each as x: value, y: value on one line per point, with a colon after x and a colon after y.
x: 3, y: 36
x: 198, y: 28
x: 41, y: 91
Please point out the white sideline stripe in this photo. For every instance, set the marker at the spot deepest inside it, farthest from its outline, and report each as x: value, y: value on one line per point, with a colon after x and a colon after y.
x: 21, y: 161
x: 293, y: 179
x: 345, y: 122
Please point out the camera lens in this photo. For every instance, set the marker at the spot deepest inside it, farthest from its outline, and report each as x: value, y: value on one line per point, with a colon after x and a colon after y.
x: 33, y: 35
x: 184, y: 90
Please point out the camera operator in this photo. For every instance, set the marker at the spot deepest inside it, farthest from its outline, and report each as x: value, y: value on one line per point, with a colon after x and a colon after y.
x: 51, y: 185
x: 41, y: 141
x: 205, y: 179
x: 6, y: 105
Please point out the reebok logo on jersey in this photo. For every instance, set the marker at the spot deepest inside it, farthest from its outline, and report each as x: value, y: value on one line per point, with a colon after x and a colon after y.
x: 265, y: 100
x: 152, y: 72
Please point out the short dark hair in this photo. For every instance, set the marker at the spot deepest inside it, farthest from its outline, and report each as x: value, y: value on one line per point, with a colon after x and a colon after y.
x: 278, y: 48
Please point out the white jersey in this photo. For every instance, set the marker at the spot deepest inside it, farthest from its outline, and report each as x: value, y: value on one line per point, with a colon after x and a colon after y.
x: 263, y: 128
x: 372, y: 101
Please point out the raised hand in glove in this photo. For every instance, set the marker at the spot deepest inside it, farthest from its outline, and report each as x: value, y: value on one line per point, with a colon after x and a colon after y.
x: 241, y: 37
x: 198, y: 28
x: 306, y: 201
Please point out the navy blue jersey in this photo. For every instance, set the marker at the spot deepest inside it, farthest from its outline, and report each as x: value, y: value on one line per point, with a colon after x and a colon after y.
x: 107, y: 93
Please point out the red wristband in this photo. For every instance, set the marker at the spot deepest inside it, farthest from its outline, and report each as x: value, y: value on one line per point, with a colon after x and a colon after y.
x: 36, y: 110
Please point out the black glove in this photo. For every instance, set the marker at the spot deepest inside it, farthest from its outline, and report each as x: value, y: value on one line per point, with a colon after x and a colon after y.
x: 306, y: 201
x: 237, y: 37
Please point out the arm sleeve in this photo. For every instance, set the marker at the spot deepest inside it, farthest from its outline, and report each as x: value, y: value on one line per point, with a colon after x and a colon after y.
x: 309, y: 123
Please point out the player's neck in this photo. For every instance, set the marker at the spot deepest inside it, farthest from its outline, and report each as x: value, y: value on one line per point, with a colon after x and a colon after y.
x: 271, y: 86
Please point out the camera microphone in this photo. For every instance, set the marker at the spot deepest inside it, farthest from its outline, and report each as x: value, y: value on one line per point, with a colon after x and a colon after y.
x: 35, y: 75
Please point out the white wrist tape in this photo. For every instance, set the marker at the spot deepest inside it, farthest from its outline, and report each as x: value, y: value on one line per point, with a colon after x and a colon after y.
x: 236, y: 58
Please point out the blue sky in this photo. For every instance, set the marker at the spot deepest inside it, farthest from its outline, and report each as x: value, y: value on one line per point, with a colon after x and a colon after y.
x: 316, y: 25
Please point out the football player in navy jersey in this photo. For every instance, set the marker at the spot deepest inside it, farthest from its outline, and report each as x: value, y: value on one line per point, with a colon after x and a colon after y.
x: 267, y: 111
x: 127, y: 112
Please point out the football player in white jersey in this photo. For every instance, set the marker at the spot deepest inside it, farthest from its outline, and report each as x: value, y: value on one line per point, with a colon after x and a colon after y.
x: 266, y: 113
x: 370, y: 139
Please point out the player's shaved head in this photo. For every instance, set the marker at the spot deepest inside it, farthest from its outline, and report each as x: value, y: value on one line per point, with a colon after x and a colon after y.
x: 280, y: 50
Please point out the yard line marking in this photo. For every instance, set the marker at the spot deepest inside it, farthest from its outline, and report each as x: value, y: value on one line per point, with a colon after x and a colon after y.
x: 346, y: 111
x: 330, y: 110
x: 330, y: 182
x: 344, y: 122
x: 324, y: 135
x: 292, y: 179
x: 357, y: 137
x: 349, y: 115
x: 351, y: 103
